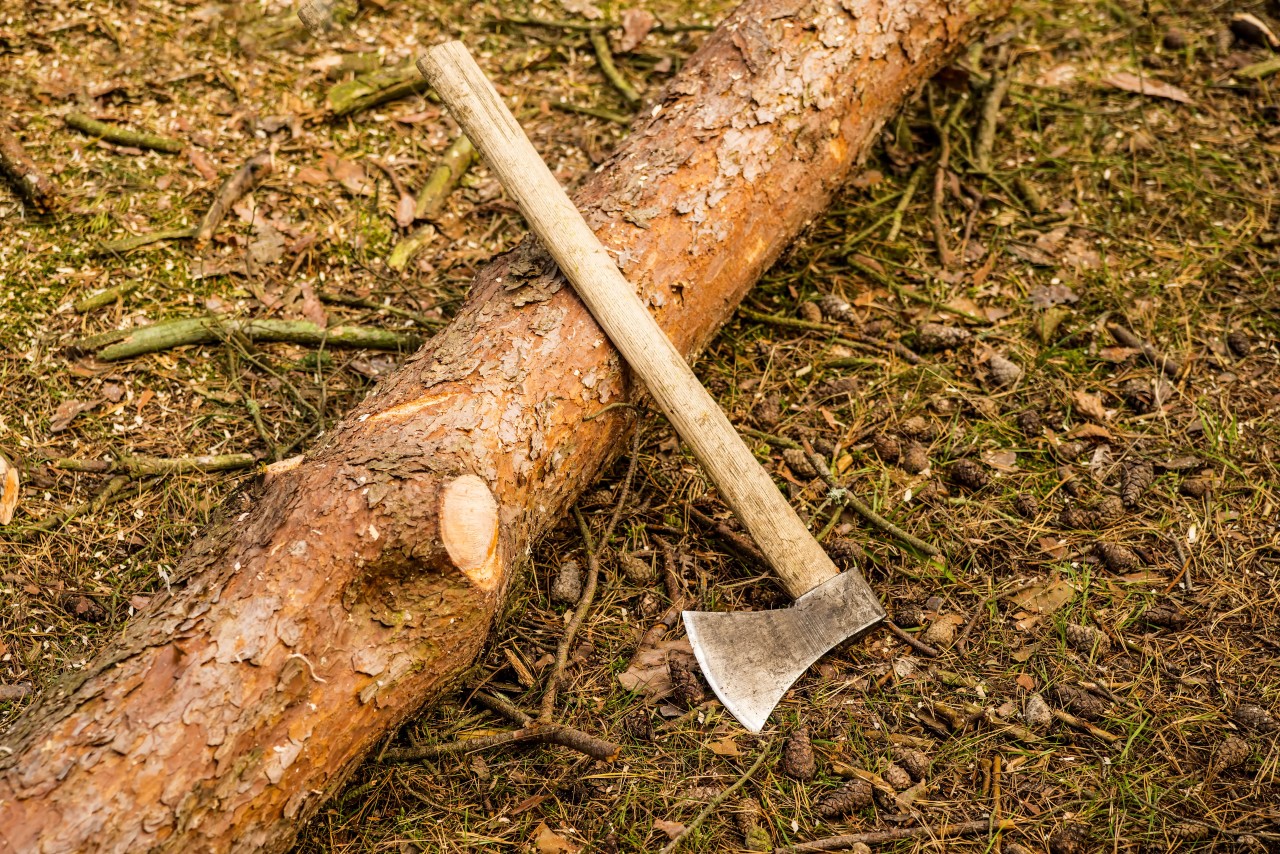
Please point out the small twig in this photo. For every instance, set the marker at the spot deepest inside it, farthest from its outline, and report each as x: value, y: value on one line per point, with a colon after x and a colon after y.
x: 372, y: 90
x: 137, y: 241
x: 945, y: 256
x: 501, y: 705
x: 444, y: 178
x: 167, y: 334
x: 866, y: 512
x: 537, y: 732
x: 147, y: 466
x: 1124, y: 336
x: 234, y: 188
x: 104, y: 297
x: 1071, y: 720
x: 906, y: 353
x: 113, y: 491
x: 373, y: 305
x: 907, y: 638
x: 900, y: 210
x: 742, y: 545
x: 121, y: 136
x: 988, y: 122
x: 594, y: 112
x: 880, y: 837
x: 588, y: 585
x: 26, y: 177
x: 714, y: 804
x: 600, y: 43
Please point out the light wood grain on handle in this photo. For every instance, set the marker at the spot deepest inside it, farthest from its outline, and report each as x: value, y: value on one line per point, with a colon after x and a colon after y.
x: 794, y: 554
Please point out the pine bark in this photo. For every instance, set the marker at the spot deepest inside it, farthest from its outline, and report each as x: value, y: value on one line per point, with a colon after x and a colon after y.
x: 352, y: 587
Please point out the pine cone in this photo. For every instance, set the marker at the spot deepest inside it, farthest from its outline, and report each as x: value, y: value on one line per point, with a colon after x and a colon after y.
x: 797, y: 756
x: 1081, y: 703
x: 1116, y: 557
x: 1165, y: 616
x: 1196, y: 487
x: 835, y: 308
x: 748, y: 818
x: 916, y: 762
x: 895, y: 775
x: 1071, y: 838
x: 1231, y: 752
x: 915, y: 458
x: 1255, y: 718
x: 1184, y: 830
x: 1110, y: 510
x: 1086, y: 638
x: 846, y: 800
x: 1138, y: 395
x: 1026, y: 506
x: 1135, y: 480
x: 942, y: 631
x: 83, y: 608
x: 969, y: 474
x: 908, y: 616
x: 1002, y: 371
x: 838, y: 386
x: 1239, y: 343
x: 1015, y: 848
x: 845, y: 552
x: 767, y: 412
x: 799, y: 463
x: 686, y: 682
x: 887, y: 447
x: 934, y: 336
x: 567, y: 586
x: 637, y: 570
x: 1029, y: 423
x: 810, y: 311
x: 917, y: 428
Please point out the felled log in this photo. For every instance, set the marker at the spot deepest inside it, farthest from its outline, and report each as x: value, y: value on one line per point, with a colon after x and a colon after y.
x: 363, y: 579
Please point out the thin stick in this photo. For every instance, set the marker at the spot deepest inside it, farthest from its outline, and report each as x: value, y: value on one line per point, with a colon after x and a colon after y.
x: 715, y: 802
x: 104, y: 297
x: 121, y: 136
x: 232, y: 190
x: 906, y: 353
x: 1170, y: 367
x: 1071, y: 720
x: 9, y: 693
x: 588, y: 589
x: 866, y: 512
x: 24, y: 175
x: 988, y: 122
x: 145, y: 466
x: 600, y: 42
x: 913, y: 183
x: 207, y: 330
x: 945, y: 256
x: 880, y: 837
x: 444, y: 178
x: 594, y: 112
x: 137, y: 241
x: 911, y: 641
x: 373, y: 305
x: 541, y: 733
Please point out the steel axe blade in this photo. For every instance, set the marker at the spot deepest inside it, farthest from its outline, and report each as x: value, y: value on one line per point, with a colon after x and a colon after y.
x: 751, y: 658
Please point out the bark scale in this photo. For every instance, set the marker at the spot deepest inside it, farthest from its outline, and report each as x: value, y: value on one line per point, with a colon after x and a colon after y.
x: 359, y: 582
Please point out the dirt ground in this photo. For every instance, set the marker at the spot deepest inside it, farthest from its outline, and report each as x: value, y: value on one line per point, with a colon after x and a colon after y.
x: 1054, y: 357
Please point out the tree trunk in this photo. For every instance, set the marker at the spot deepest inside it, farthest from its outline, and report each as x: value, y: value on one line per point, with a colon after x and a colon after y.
x: 363, y: 579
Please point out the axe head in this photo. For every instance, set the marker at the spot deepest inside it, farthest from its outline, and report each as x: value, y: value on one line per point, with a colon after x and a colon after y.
x: 751, y: 658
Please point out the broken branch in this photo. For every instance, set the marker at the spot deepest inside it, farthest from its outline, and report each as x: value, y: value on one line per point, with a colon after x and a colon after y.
x: 24, y: 175
x: 121, y: 136
x: 232, y: 190
x: 168, y: 334
x: 881, y: 837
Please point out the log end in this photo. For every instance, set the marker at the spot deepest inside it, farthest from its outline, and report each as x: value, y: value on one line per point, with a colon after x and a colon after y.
x: 469, y: 530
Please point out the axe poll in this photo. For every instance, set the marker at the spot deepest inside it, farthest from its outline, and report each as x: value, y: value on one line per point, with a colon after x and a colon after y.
x: 750, y: 659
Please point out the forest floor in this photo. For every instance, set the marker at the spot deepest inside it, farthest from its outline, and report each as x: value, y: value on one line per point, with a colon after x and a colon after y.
x: 1094, y: 659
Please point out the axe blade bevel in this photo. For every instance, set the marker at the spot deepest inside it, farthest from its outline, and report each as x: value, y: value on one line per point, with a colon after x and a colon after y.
x: 751, y: 658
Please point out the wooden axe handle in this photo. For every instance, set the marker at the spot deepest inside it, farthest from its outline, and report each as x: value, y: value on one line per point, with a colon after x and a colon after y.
x: 794, y: 554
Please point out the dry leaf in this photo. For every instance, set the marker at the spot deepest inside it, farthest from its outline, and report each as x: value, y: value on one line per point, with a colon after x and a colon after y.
x: 312, y: 308
x: 1089, y: 405
x: 636, y: 24
x: 548, y: 841
x: 1053, y: 547
x: 1004, y: 460
x: 312, y: 175
x: 1058, y: 76
x: 1147, y: 86
x: 1026, y: 681
x: 648, y: 672
x: 67, y: 412
x: 351, y: 175
x: 9, y: 487
x: 1047, y: 296
x: 1040, y: 601
x: 200, y: 161
x: 671, y: 828
x: 1091, y: 431
x: 725, y: 747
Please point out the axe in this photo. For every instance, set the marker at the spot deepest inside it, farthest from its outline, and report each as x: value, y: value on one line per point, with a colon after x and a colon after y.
x: 750, y: 659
